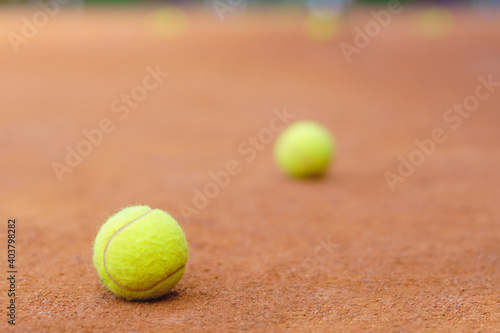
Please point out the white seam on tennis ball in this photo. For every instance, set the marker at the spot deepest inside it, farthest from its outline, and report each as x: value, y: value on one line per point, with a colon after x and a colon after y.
x: 106, y: 269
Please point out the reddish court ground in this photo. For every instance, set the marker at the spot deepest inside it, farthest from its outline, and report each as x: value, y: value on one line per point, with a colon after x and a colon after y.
x: 267, y: 253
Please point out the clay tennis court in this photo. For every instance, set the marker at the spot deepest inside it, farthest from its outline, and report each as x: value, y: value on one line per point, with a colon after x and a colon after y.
x: 346, y: 253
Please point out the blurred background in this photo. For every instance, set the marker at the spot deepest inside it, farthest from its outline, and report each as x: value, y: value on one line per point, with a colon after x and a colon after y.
x: 379, y: 87
x: 181, y: 2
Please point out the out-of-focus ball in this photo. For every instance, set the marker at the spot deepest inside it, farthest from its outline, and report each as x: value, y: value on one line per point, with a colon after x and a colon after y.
x: 168, y: 22
x: 435, y: 22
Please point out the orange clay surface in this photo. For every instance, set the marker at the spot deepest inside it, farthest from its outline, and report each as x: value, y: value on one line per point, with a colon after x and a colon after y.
x: 267, y: 254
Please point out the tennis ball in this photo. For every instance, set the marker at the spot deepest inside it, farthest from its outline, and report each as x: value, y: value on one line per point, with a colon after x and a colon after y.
x: 322, y: 27
x: 304, y: 149
x: 436, y: 22
x: 140, y: 253
x: 169, y: 22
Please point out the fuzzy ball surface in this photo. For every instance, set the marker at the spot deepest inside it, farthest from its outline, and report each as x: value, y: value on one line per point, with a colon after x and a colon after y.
x: 140, y: 253
x: 305, y: 149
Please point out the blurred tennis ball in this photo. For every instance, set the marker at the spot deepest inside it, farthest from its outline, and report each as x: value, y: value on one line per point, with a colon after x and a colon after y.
x: 304, y: 149
x: 322, y: 26
x: 435, y: 22
x: 169, y: 22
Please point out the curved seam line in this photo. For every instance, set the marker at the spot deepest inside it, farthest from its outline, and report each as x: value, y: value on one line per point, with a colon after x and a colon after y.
x: 106, y: 249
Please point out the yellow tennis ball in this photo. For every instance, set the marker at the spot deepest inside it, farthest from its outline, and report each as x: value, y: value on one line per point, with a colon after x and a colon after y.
x: 436, y: 22
x: 140, y: 253
x: 169, y: 22
x: 304, y: 149
x: 322, y: 26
